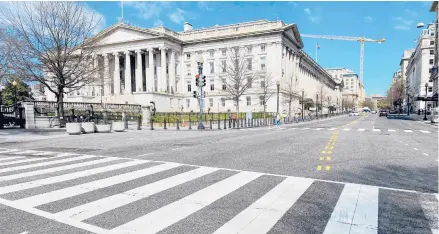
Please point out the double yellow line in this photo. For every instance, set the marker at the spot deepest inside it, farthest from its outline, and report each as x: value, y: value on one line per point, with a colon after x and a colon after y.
x: 327, y: 152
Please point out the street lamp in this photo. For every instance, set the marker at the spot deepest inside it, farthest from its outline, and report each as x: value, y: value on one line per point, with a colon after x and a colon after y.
x: 425, y: 103
x: 200, y: 62
x: 14, y: 84
x: 278, y: 87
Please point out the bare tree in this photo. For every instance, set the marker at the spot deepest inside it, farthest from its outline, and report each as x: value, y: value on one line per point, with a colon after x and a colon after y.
x: 267, y: 83
x: 50, y: 43
x: 396, y: 92
x: 4, y: 54
x: 238, y: 74
x: 290, y: 92
x: 322, y: 97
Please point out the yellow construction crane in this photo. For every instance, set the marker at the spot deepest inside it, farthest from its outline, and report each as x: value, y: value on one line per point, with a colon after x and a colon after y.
x: 344, y: 38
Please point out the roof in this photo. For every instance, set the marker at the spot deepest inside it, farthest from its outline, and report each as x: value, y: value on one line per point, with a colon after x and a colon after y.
x: 433, y: 6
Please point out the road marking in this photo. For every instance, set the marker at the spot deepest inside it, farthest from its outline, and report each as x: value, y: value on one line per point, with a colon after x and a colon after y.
x: 392, y: 130
x: 306, y: 128
x: 323, y: 152
x: 415, y: 148
x: 425, y: 154
x: 328, y: 168
x: 103, y: 205
x: 376, y: 130
x: 423, y: 131
x: 318, y: 129
x: 262, y: 215
x: 361, y: 130
x: 166, y: 216
x: 346, y: 129
x: 408, y: 131
x: 322, y: 158
x: 332, y: 129
x: 328, y: 158
x: 9, y: 158
x: 329, y: 152
x: 319, y: 168
x: 366, y: 213
x: 56, y: 195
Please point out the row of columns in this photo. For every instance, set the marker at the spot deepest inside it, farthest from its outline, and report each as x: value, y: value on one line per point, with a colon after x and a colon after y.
x: 155, y: 82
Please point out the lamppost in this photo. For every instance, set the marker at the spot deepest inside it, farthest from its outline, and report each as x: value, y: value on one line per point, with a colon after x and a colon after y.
x: 317, y: 101
x: 14, y: 84
x: 425, y: 102
x: 278, y: 87
x: 303, y: 95
x: 200, y: 88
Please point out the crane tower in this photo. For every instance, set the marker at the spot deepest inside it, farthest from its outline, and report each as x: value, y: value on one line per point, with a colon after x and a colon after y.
x: 362, y: 40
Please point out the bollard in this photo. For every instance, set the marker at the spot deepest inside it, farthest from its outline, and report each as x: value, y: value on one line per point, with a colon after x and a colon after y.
x: 164, y: 124
x: 139, y: 122
x: 210, y: 123
x: 151, y: 124
x: 190, y: 124
x: 178, y: 124
x: 219, y: 124
x: 225, y: 124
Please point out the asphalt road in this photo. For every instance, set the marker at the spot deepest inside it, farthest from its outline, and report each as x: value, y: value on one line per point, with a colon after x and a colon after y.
x: 343, y: 175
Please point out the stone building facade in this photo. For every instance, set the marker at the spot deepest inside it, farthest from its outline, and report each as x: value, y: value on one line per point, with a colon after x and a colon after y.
x: 163, y: 63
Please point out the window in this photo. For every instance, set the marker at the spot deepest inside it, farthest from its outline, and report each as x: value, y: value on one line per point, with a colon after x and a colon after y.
x: 430, y: 70
x: 431, y: 52
x: 223, y: 52
x: 432, y: 42
x: 249, y: 101
x: 263, y: 66
x: 431, y: 61
x: 249, y: 49
x: 261, y: 100
x: 188, y: 69
x: 262, y: 83
x: 211, y: 53
x: 212, y: 68
x: 211, y: 102
x: 223, y: 102
x: 212, y: 85
x: 262, y: 48
x: 249, y: 64
x: 224, y: 87
x: 189, y: 87
x: 249, y: 81
x: 188, y: 103
x: 167, y: 69
x: 430, y: 89
x: 188, y: 56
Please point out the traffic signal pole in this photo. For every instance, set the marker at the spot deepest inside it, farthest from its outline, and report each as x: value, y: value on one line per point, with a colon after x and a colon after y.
x: 201, y: 82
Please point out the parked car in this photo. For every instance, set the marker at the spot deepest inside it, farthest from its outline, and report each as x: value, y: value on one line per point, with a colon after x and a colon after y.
x: 373, y: 112
x: 383, y: 113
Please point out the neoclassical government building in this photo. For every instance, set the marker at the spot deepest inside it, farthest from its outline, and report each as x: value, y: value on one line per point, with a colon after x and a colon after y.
x: 157, y: 64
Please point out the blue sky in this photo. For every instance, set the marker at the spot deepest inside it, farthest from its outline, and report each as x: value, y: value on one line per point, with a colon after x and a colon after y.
x: 395, y: 21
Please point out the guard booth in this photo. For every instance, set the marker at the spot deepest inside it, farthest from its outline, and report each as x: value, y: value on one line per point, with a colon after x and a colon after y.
x: 12, y: 116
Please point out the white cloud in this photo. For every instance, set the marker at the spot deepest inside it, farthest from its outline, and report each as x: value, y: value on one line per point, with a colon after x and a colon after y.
x: 97, y: 17
x: 313, y: 16
x: 147, y: 10
x: 178, y: 16
x: 204, y: 6
x: 368, y: 19
x: 402, y: 24
x: 411, y: 13
x: 158, y: 22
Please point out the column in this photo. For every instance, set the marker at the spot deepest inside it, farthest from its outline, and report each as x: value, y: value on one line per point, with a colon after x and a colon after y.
x: 150, y: 76
x: 107, y: 89
x: 116, y: 74
x: 96, y: 72
x: 162, y: 79
x: 139, y: 71
x: 127, y: 73
x: 172, y: 72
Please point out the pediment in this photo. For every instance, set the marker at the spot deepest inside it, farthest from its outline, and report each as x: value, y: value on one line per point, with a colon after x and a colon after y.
x: 119, y: 35
x: 293, y: 33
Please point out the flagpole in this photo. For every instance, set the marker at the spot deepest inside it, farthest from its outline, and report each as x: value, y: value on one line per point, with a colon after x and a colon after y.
x: 317, y: 49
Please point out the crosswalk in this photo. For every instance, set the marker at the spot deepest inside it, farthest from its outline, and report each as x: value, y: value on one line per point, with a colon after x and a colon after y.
x: 120, y: 195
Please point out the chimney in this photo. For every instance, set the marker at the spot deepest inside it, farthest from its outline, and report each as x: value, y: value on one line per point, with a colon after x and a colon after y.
x: 187, y: 26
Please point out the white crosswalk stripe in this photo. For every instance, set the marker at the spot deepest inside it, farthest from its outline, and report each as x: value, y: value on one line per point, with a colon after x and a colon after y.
x: 423, y: 131
x: 361, y: 130
x: 408, y: 130
x: 376, y: 130
x: 355, y: 210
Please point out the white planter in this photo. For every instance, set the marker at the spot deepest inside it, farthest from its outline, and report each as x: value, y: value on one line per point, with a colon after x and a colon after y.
x: 103, y: 127
x: 119, y: 126
x: 73, y: 128
x: 88, y: 127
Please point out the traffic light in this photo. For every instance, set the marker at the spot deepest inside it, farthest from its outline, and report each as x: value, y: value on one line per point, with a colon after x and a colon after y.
x: 197, y: 80
x: 204, y: 81
x: 195, y: 94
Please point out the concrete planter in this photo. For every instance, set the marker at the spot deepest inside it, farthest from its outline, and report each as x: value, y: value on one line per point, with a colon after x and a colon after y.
x: 73, y: 128
x: 88, y: 127
x: 119, y: 126
x: 103, y: 128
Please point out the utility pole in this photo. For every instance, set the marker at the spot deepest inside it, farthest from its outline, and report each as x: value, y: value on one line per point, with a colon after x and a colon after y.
x: 278, y: 87
x: 303, y: 94
x: 317, y: 108
x: 202, y: 83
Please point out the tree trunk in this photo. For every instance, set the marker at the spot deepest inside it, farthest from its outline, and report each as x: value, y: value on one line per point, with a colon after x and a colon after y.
x: 60, y: 107
x: 289, y: 107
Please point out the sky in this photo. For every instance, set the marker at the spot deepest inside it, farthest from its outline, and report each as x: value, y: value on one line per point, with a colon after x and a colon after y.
x: 394, y: 21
